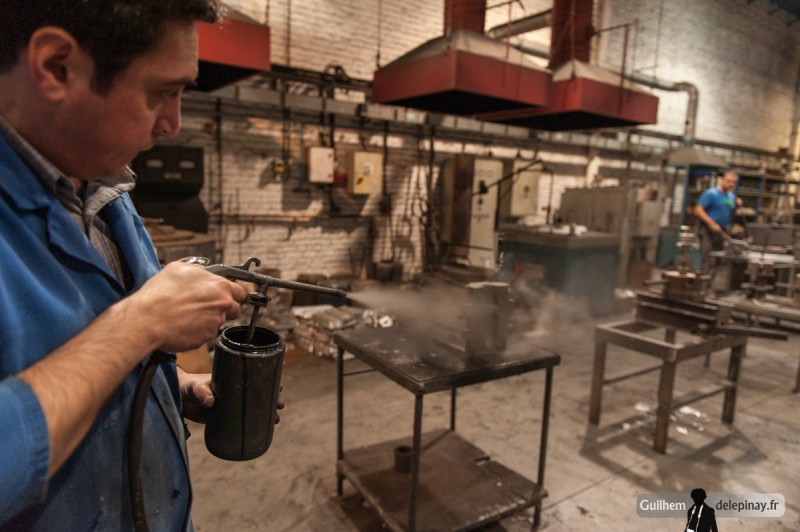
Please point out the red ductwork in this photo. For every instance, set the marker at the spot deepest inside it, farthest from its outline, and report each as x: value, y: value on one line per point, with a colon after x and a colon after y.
x: 463, y: 72
x: 464, y: 15
x: 571, y: 31
x: 584, y: 96
x: 231, y: 50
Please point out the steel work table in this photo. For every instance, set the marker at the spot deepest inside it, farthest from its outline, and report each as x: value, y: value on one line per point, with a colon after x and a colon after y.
x: 628, y: 334
x: 451, y: 484
x: 755, y: 311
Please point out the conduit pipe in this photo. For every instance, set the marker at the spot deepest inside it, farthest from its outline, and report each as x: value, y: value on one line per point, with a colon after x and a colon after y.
x: 534, y: 22
x: 794, y: 148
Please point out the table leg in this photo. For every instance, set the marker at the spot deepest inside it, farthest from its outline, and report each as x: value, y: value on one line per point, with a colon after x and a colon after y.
x: 797, y: 379
x: 339, y: 417
x: 734, y: 367
x: 665, y: 389
x: 598, y: 374
x: 548, y: 389
x: 453, y: 409
x: 415, y: 459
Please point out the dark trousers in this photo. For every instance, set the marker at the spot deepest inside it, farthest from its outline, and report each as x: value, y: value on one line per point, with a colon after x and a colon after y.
x: 709, y: 241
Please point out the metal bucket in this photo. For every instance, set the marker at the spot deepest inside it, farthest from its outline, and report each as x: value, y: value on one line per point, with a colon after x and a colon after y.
x: 246, y: 380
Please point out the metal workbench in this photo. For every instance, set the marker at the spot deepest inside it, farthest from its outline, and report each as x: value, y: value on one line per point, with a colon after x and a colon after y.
x: 786, y: 317
x: 450, y: 483
x: 631, y: 334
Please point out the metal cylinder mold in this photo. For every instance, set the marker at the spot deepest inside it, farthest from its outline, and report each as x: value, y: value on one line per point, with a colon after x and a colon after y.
x: 402, y: 459
x: 246, y: 379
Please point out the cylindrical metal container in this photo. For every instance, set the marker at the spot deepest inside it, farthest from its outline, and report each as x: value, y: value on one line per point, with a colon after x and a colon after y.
x: 246, y: 378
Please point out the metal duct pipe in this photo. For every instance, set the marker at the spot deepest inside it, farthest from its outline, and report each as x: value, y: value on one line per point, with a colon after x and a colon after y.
x: 534, y: 22
x: 691, y: 110
x: 572, y: 31
x: 464, y: 15
x: 794, y: 149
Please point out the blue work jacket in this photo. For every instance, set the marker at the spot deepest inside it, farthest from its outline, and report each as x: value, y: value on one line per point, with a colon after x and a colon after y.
x: 53, y: 283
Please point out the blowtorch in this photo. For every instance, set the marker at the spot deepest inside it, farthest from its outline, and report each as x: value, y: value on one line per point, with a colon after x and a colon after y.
x: 246, y: 371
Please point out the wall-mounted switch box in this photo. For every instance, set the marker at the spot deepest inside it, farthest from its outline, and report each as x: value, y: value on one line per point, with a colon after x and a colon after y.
x: 364, y: 172
x: 320, y: 164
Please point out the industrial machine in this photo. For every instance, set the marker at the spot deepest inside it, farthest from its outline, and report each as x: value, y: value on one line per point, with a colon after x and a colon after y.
x: 685, y: 301
x: 519, y: 189
x: 168, y: 184
x: 470, y: 190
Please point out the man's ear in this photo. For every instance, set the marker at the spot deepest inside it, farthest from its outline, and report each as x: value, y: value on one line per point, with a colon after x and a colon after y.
x: 55, y: 62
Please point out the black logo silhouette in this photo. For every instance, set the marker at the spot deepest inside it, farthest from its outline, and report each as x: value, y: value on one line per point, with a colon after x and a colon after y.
x: 700, y: 517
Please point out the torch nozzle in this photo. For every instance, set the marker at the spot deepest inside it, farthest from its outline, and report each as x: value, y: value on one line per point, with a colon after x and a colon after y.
x: 243, y: 273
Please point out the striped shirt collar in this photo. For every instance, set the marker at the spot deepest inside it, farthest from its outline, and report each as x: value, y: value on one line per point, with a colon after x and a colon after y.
x: 83, y: 209
x: 50, y: 176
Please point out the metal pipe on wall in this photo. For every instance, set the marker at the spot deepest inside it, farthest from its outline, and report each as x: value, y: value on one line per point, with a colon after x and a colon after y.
x: 534, y: 22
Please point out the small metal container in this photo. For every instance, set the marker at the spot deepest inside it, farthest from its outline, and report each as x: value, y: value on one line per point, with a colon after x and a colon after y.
x: 246, y: 378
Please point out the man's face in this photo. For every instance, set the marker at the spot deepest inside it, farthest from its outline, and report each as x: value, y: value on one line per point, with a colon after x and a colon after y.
x: 729, y: 181
x: 108, y: 131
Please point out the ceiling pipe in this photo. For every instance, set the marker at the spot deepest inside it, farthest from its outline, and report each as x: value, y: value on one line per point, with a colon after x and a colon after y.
x: 464, y: 15
x: 534, y: 22
x: 794, y: 149
x: 572, y: 31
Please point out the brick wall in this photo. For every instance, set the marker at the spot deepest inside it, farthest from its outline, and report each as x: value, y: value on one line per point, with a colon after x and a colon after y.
x: 743, y: 59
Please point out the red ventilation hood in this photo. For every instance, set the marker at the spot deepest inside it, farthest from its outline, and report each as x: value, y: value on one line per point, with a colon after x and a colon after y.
x: 232, y: 50
x: 585, y: 96
x: 463, y: 72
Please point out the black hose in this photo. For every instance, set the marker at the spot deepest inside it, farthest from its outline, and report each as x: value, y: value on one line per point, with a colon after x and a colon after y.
x: 135, y: 437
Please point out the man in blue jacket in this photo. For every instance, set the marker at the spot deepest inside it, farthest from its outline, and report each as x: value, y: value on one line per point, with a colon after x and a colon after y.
x: 84, y: 86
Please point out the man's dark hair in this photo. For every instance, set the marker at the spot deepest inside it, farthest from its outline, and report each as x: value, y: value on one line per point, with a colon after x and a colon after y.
x: 698, y: 493
x: 112, y: 32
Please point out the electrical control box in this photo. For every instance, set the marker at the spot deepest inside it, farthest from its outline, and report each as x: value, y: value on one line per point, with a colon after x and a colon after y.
x: 320, y: 164
x: 364, y: 172
x: 519, y: 190
x: 470, y: 193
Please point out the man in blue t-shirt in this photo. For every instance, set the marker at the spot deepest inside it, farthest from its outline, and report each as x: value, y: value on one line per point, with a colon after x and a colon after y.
x: 715, y: 209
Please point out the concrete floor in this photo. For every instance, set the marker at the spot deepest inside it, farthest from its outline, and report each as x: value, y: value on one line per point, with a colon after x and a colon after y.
x: 593, y: 474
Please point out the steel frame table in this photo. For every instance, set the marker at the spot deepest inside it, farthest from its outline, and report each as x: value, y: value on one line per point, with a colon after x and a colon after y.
x: 628, y: 334
x: 489, y: 491
x: 754, y: 311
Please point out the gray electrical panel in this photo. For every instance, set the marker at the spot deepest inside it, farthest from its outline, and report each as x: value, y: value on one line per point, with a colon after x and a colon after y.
x: 470, y: 190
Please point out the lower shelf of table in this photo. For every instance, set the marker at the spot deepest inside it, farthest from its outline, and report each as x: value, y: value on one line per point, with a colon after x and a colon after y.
x: 460, y: 487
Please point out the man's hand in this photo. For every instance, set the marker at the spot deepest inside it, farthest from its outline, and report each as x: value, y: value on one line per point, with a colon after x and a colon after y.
x: 183, y: 306
x: 198, y: 397
x: 281, y: 405
x: 196, y: 394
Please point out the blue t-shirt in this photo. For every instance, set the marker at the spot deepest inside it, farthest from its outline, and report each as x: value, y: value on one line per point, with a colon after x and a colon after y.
x: 719, y: 205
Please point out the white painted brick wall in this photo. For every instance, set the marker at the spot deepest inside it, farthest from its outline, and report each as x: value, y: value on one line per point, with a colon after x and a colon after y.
x: 743, y: 59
